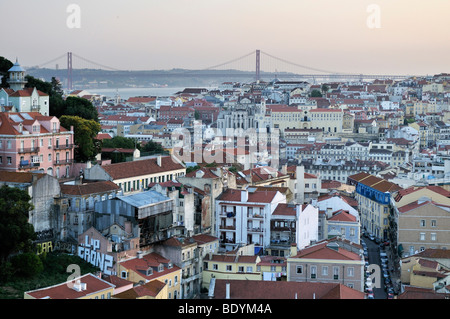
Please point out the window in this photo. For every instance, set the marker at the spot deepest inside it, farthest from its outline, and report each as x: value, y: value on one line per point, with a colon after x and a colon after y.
x: 433, y: 236
x: 433, y: 223
x: 229, y: 267
x: 299, y: 270
x: 335, y: 273
x: 422, y: 236
x: 249, y: 269
x: 324, y: 270
x: 241, y: 269
x: 313, y: 272
x: 350, y: 271
x: 9, y: 159
x: 422, y: 223
x: 215, y: 267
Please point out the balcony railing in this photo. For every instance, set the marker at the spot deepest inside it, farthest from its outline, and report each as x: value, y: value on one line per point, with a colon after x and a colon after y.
x: 28, y: 150
x: 63, y: 162
x: 28, y: 165
x: 63, y: 146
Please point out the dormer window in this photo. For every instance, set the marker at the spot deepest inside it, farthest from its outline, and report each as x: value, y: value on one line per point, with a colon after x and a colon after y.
x: 160, y: 267
x: 149, y: 272
x: 169, y: 265
x: 36, y: 128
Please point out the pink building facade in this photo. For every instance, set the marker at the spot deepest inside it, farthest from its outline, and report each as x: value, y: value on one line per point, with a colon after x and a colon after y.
x: 33, y: 142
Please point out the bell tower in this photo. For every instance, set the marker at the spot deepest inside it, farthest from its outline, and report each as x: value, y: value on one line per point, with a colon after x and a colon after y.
x: 16, y: 77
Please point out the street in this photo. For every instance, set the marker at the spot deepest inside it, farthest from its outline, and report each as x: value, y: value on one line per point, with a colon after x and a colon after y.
x: 373, y: 250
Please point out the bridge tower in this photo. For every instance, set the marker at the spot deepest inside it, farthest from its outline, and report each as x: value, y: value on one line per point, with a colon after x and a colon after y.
x: 258, y: 65
x: 69, y: 71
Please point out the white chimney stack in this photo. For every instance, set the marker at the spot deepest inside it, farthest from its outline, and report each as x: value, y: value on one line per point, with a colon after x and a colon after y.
x: 158, y: 160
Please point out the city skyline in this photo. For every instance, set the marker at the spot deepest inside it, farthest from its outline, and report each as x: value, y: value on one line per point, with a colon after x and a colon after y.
x: 370, y: 37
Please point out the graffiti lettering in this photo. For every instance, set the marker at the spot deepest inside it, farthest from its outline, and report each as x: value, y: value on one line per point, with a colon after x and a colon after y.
x: 88, y: 252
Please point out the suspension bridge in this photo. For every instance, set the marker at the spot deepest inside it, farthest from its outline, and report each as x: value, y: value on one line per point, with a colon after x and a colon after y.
x: 257, y: 64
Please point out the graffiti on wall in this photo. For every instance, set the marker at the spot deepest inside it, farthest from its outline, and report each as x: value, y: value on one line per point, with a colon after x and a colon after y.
x: 90, y: 252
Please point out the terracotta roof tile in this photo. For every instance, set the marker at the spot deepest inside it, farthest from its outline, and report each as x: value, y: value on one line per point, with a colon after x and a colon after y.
x: 255, y: 289
x: 141, y: 167
x: 89, y: 188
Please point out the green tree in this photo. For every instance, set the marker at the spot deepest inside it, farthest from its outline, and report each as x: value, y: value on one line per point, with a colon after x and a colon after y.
x: 316, y: 93
x: 5, y: 65
x: 27, y: 264
x: 119, y: 142
x: 40, y: 85
x: 152, y: 148
x: 85, y: 136
x: 16, y: 233
x: 78, y: 106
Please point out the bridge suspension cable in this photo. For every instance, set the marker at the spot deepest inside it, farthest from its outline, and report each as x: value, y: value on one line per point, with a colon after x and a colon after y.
x: 303, y: 66
x: 53, y: 60
x: 229, y: 62
x: 95, y: 63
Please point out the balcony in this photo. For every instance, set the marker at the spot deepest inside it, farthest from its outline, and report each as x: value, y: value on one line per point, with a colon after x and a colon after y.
x: 63, y: 162
x: 27, y: 165
x: 28, y: 150
x: 35, y: 108
x: 62, y: 146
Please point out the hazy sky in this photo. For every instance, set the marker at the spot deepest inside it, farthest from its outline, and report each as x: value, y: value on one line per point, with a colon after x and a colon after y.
x: 412, y: 37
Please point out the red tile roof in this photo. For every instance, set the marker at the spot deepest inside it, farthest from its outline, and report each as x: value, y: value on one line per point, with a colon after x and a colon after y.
x: 285, y: 210
x: 322, y: 251
x: 150, y: 260
x: 342, y: 216
x: 89, y: 188
x: 62, y: 291
x: 141, y: 167
x: 203, y: 239
x: 256, y: 289
x: 234, y: 195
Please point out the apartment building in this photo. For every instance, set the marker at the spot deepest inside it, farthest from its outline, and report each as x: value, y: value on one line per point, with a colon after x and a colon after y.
x: 137, y: 175
x: 184, y: 252
x: 31, y: 141
x: 243, y: 217
x: 423, y: 224
x: 234, y: 265
x: 374, y: 198
x: 327, y: 262
x: 330, y: 120
x: 152, y: 267
x: 340, y: 170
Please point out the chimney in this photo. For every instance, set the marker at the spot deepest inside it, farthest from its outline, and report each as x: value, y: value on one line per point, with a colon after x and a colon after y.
x: 329, y: 213
x: 227, y: 290
x: 158, y: 160
x: 293, y: 249
x: 244, y: 195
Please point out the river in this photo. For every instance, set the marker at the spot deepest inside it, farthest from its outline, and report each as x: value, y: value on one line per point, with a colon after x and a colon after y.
x: 126, y: 93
